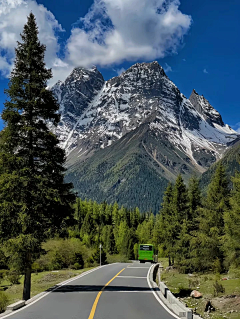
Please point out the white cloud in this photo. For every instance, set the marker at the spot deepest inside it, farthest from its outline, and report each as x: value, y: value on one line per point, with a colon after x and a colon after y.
x: 205, y: 71
x: 168, y: 68
x: 111, y: 32
x: 13, y: 16
x: 119, y: 71
x: 119, y: 30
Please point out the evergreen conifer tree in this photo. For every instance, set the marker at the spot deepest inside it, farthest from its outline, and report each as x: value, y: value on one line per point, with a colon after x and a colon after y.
x: 178, y: 215
x: 34, y: 200
x: 165, y: 223
x: 231, y: 239
x: 188, y: 225
x: 206, y: 243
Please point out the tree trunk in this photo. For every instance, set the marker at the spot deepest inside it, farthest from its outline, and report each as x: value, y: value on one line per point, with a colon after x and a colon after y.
x: 27, y: 283
x: 169, y: 261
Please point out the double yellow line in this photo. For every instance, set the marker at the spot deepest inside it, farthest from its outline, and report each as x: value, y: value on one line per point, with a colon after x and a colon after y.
x: 99, y: 294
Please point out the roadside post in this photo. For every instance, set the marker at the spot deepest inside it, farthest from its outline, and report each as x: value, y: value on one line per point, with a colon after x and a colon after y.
x: 100, y: 246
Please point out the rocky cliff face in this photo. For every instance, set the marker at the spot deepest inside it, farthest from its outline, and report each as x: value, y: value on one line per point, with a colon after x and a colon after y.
x: 205, y: 109
x: 95, y: 113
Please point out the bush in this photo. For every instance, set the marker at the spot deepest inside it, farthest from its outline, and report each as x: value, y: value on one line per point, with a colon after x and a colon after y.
x: 218, y: 288
x: 3, y: 301
x: 193, y: 282
x: 78, y: 259
x: 234, y: 273
x: 36, y: 267
x: 14, y: 276
x: 63, y: 253
x: 217, y: 268
x: 96, y: 257
x: 76, y: 266
x: 3, y: 273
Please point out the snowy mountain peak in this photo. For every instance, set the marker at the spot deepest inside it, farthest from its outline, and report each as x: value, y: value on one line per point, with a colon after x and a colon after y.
x: 96, y: 113
x: 203, y: 106
x: 146, y: 69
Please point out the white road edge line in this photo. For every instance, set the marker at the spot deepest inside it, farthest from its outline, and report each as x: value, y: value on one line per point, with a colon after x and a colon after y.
x: 59, y: 285
x: 158, y: 299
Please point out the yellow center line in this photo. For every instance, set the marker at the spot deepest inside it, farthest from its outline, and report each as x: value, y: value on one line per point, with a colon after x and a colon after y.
x: 99, y: 294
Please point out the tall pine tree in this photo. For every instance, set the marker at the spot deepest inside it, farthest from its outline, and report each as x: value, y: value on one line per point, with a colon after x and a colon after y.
x: 188, y: 225
x: 166, y: 223
x: 34, y: 200
x: 231, y: 239
x: 206, y: 243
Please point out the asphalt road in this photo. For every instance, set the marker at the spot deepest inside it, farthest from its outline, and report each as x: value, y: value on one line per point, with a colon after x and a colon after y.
x: 100, y: 295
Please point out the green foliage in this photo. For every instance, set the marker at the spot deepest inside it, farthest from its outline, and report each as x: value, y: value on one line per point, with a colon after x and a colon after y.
x: 35, y: 202
x: 231, y: 239
x: 135, y: 250
x: 3, y: 301
x: 110, y: 174
x: 63, y: 253
x: 217, y: 267
x: 231, y: 163
x: 206, y: 243
x: 3, y: 273
x: 96, y: 256
x: 218, y: 288
x: 14, y: 276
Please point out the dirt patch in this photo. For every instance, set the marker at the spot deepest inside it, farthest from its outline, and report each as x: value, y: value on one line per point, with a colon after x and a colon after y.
x: 227, y: 303
x: 55, y: 276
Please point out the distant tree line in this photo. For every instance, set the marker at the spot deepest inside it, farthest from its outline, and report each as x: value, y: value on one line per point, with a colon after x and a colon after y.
x: 196, y: 233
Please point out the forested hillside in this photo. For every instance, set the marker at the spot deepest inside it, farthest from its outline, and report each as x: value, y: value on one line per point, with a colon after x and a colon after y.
x: 195, y: 232
x: 231, y: 163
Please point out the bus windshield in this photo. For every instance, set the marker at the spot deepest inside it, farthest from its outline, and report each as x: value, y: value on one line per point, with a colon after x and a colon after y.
x: 146, y: 247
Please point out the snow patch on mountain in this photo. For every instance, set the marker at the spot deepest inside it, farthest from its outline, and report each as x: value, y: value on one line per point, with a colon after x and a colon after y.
x: 96, y: 113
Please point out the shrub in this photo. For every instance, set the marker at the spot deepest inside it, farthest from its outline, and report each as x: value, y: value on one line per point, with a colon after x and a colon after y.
x: 193, y: 282
x: 76, y: 266
x: 14, y: 276
x: 234, y: 273
x: 3, y: 273
x: 135, y: 249
x: 217, y: 268
x: 78, y: 259
x: 96, y: 256
x: 63, y: 253
x: 36, y: 267
x: 218, y: 288
x: 3, y: 301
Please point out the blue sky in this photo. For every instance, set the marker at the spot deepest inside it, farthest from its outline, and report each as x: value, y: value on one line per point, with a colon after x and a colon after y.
x: 197, y: 42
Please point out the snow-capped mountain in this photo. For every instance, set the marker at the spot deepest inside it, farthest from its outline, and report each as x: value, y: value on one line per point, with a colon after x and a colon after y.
x: 96, y: 113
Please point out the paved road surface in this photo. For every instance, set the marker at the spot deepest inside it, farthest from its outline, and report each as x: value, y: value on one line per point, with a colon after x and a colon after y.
x: 127, y: 296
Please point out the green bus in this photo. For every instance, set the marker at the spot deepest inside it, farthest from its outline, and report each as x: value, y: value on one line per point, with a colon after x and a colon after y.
x: 147, y: 253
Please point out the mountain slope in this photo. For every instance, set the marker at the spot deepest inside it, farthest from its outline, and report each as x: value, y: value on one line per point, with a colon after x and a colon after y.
x: 133, y: 171
x: 138, y: 119
x: 231, y: 162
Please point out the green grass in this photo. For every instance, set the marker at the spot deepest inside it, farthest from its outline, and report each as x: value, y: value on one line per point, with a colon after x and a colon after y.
x: 40, y: 282
x: 178, y: 283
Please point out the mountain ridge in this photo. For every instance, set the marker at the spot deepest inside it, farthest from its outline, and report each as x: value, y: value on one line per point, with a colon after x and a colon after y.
x: 180, y: 135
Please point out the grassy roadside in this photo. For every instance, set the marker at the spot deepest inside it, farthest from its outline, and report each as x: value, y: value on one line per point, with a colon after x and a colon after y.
x: 226, y: 303
x: 40, y: 282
